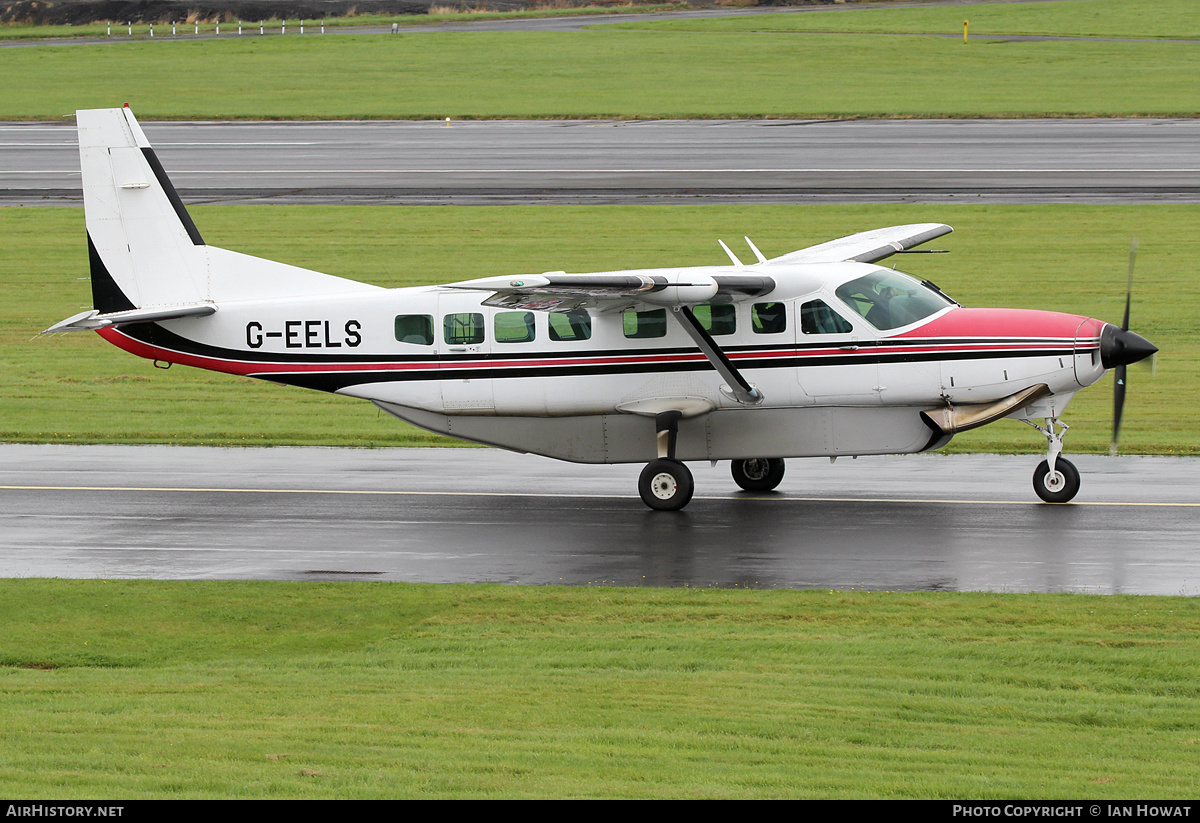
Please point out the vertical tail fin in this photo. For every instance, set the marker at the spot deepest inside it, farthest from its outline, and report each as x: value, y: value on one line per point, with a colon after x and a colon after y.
x: 145, y: 250
x: 146, y: 253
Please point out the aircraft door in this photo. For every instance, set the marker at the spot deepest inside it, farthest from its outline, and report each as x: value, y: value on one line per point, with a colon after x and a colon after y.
x: 906, y: 378
x: 836, y: 358
x: 464, y: 351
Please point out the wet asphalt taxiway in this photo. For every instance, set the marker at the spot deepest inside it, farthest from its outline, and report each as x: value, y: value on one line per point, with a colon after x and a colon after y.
x: 924, y: 522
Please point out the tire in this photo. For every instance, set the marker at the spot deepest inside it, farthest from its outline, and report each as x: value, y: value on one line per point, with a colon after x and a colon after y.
x: 1060, y: 487
x: 665, y: 485
x: 758, y: 474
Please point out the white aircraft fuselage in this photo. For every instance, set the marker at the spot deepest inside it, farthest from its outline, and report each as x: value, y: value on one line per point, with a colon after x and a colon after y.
x: 824, y: 394
x: 815, y: 353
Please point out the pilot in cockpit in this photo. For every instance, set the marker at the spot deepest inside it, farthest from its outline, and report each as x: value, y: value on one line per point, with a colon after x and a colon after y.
x: 880, y: 315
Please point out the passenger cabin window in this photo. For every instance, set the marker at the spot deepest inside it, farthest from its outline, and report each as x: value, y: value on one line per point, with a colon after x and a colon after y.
x: 514, y: 327
x: 768, y: 318
x: 643, y: 324
x: 570, y: 325
x: 889, y: 300
x: 817, y: 318
x: 415, y: 328
x: 463, y: 329
x: 717, y: 320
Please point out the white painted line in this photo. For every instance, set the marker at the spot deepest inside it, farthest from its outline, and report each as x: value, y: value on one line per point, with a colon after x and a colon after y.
x: 239, y: 143
x: 161, y: 146
x: 656, y: 170
x: 246, y: 550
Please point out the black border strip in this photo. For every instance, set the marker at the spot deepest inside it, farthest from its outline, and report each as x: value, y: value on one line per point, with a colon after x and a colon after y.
x: 172, y: 195
x: 107, y: 296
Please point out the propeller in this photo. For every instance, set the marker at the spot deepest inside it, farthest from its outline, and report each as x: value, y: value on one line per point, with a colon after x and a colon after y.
x: 1120, y: 348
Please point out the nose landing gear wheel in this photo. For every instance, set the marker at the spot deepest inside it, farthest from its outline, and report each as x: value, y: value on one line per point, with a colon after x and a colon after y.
x: 1057, y: 487
x: 758, y: 474
x: 665, y: 485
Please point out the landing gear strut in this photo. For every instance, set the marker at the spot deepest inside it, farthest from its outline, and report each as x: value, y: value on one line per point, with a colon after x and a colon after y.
x: 1056, y: 480
x: 665, y: 483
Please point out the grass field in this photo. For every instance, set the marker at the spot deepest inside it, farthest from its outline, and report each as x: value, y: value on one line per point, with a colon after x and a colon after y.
x: 141, y: 689
x: 77, y: 388
x: 609, y: 72
x: 1164, y: 19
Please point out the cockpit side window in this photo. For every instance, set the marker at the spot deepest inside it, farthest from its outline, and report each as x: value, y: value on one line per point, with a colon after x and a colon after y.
x: 817, y: 318
x: 889, y: 300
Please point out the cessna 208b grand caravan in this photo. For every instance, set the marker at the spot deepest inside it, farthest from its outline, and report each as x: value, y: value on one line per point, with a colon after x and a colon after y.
x: 815, y: 353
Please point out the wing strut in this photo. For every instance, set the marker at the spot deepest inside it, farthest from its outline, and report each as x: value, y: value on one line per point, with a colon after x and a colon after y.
x: 738, y: 389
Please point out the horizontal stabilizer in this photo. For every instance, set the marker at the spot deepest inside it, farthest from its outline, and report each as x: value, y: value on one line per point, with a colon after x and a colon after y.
x: 92, y: 320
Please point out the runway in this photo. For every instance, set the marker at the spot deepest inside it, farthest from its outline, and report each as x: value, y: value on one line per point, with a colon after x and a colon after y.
x: 536, y: 162
x: 923, y: 522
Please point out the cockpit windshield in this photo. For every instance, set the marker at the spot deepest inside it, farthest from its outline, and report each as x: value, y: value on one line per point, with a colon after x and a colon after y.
x: 889, y: 300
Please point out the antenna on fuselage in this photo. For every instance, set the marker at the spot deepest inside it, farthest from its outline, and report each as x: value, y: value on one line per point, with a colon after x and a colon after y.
x: 737, y: 264
x: 754, y: 249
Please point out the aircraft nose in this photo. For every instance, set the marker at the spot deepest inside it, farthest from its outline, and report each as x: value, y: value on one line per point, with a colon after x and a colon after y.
x: 1119, y: 347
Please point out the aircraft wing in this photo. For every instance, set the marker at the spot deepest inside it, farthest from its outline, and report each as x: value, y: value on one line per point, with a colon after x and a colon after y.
x: 678, y: 289
x: 559, y: 291
x: 867, y: 246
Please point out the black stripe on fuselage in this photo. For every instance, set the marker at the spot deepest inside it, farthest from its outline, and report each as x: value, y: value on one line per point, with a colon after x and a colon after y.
x: 155, y: 335
x: 357, y: 378
x: 444, y: 369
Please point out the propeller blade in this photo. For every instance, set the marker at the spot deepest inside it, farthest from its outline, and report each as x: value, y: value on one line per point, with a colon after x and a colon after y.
x: 1133, y: 244
x: 1118, y: 407
x: 1132, y: 346
x: 1150, y: 363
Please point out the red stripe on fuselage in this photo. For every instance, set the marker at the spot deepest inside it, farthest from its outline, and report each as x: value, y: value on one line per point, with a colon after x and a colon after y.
x: 962, y: 331
x: 255, y: 367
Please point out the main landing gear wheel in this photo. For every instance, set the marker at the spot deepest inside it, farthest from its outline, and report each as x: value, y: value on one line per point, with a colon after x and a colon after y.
x: 665, y: 485
x: 758, y: 474
x: 1058, y: 486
